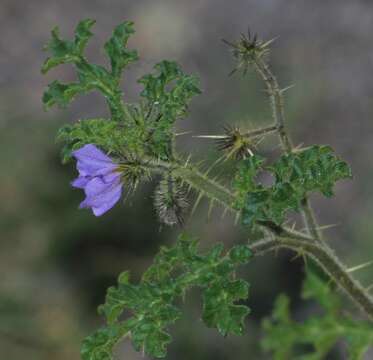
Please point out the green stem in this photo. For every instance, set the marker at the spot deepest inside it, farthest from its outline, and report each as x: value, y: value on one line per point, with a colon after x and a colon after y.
x: 259, y: 132
x: 277, y: 103
x: 327, y: 260
x: 112, y: 93
x: 202, y: 183
x: 283, y: 236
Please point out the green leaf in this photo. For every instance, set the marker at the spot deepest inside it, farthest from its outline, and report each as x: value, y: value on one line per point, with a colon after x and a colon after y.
x: 314, y: 169
x: 244, y: 180
x: 167, y: 93
x: 104, y: 133
x: 240, y: 254
x: 150, y: 339
x: 286, y: 338
x: 128, y: 139
x: 315, y: 288
x: 170, y: 90
x: 99, y: 346
x: 62, y: 94
x: 65, y: 51
x: 82, y: 35
x: 151, y: 302
x: 90, y: 76
x: 116, y: 48
x: 219, y: 310
x: 148, y: 126
x: 62, y: 52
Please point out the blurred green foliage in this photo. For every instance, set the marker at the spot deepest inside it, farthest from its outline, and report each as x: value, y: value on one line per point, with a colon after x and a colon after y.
x: 285, y: 337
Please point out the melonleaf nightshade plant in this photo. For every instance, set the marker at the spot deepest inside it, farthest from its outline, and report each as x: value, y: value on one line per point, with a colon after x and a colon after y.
x: 137, y: 141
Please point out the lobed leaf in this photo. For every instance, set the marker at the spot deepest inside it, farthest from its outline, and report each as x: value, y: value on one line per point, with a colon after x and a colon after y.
x: 62, y: 94
x: 65, y: 51
x: 170, y: 90
x: 116, y: 48
x: 167, y: 93
x: 151, y: 302
x: 314, y: 169
x: 90, y: 76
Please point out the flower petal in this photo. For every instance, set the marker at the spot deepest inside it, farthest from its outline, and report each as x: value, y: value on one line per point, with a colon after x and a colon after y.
x: 90, y: 151
x: 95, y: 168
x: 92, y: 161
x: 110, y: 202
x: 102, y: 196
x: 80, y: 182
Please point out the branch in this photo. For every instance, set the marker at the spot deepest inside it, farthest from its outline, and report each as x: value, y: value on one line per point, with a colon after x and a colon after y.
x: 277, y: 103
x: 326, y: 259
x: 259, y: 132
x: 283, y: 236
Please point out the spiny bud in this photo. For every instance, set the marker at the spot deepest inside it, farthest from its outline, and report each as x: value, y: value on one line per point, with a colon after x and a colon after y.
x: 236, y: 144
x: 247, y: 50
x: 133, y: 172
x: 170, y: 201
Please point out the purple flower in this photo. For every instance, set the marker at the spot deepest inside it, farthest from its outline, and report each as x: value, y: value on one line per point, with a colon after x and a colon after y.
x: 99, y: 177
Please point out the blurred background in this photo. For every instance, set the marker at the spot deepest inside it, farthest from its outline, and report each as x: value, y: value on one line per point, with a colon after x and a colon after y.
x: 56, y: 261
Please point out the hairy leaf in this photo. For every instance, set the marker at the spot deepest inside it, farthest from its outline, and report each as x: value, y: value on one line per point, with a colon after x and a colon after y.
x: 148, y: 126
x: 168, y: 93
x: 90, y: 76
x: 314, y: 169
x: 112, y: 136
x: 116, y: 48
x: 151, y: 302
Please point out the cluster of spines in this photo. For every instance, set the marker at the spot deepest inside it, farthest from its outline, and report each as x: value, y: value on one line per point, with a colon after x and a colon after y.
x: 170, y: 201
x: 247, y: 50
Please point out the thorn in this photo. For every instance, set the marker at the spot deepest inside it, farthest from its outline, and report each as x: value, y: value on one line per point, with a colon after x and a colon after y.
x: 183, y: 133
x: 369, y: 288
x: 214, y: 164
x: 189, y: 189
x: 359, y: 267
x: 237, y: 217
x: 224, y: 213
x: 200, y: 163
x: 210, y: 210
x: 210, y: 136
x: 258, y: 141
x: 230, y: 154
x: 269, y: 42
x: 187, y: 160
x: 286, y: 88
x: 298, y: 147
x: 296, y: 256
x: 325, y: 227
x: 200, y: 196
x: 302, y: 255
